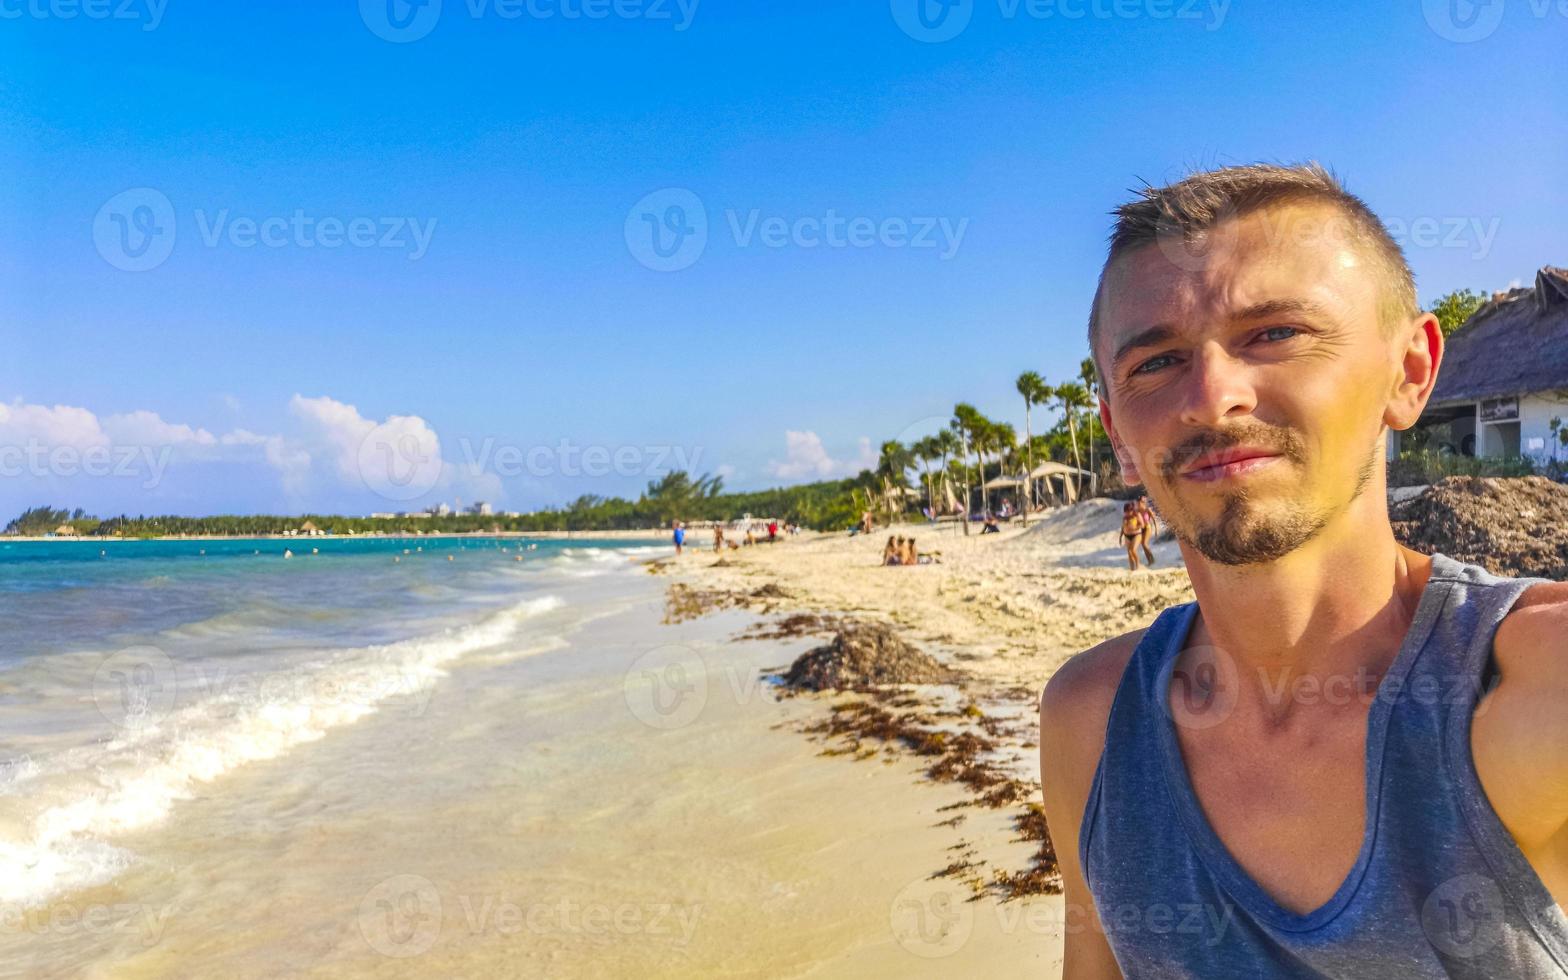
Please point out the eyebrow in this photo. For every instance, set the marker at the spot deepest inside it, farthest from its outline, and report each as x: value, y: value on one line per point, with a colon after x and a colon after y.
x: 1147, y: 337
x: 1280, y: 307
x: 1161, y: 333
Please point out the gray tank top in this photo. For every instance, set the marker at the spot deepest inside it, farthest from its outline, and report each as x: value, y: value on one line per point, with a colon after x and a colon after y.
x: 1439, y: 888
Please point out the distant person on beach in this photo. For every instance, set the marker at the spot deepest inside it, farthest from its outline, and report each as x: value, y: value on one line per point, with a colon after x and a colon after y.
x: 718, y: 538
x: 1146, y: 513
x: 680, y: 537
x: 865, y: 523
x: 1348, y: 758
x: 892, y: 554
x: 990, y: 526
x: 773, y: 531
x: 1131, y: 532
x: 911, y: 556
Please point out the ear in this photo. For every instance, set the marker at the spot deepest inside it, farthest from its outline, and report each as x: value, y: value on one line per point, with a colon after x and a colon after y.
x: 1125, y: 457
x: 1420, y: 352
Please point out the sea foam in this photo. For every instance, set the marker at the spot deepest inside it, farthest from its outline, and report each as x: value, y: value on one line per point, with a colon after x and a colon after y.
x: 135, y: 780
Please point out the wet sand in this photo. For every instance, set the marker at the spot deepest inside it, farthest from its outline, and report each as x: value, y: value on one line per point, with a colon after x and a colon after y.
x: 615, y: 797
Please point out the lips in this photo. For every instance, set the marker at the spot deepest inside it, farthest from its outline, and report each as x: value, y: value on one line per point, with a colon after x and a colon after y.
x: 1229, y: 462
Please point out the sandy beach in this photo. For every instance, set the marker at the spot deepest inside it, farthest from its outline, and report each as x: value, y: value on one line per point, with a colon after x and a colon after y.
x: 590, y: 783
x: 1004, y: 611
x: 1008, y: 607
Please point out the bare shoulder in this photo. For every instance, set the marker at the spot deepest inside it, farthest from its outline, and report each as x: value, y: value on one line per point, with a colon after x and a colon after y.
x: 1074, y: 708
x: 1519, y: 734
x: 1084, y: 687
x: 1548, y: 594
x: 1534, y: 635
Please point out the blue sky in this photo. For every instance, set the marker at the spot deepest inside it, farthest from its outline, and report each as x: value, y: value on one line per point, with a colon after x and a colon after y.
x: 504, y: 154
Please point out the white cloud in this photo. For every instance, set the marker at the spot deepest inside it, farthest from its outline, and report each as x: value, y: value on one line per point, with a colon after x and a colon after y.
x: 807, y: 459
x: 144, y: 428
x: 68, y: 450
x: 340, y: 432
x: 61, y: 425
x: 340, y: 428
x: 290, y: 460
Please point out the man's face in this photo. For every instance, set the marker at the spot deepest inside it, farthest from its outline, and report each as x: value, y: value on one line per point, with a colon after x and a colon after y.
x: 1246, y: 387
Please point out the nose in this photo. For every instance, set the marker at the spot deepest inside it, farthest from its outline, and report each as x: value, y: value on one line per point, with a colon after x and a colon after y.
x: 1218, y: 387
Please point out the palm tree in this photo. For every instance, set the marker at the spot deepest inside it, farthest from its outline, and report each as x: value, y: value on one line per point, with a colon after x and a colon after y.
x: 925, y: 450
x: 1073, y: 396
x: 967, y: 424
x: 983, y: 436
x: 1004, y: 440
x: 892, y: 463
x: 1032, y: 387
x: 1090, y: 376
x: 948, y: 445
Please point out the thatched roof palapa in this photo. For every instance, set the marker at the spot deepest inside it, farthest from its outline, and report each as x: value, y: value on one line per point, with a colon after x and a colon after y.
x: 1515, y: 344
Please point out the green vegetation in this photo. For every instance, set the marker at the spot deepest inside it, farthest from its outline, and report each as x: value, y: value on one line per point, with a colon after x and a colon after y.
x: 676, y: 495
x: 47, y: 520
x: 1418, y: 467
x: 1454, y: 309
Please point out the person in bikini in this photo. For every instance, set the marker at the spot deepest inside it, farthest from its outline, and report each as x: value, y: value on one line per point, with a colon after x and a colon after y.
x: 1345, y: 758
x: 1131, y: 533
x: 1146, y: 512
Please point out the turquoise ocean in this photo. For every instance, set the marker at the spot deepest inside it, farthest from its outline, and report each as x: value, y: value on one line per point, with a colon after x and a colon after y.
x: 135, y: 674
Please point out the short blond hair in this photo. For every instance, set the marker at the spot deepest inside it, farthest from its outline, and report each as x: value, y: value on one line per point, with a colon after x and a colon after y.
x: 1194, y: 205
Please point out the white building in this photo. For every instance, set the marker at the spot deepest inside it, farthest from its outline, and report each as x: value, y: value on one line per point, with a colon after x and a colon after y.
x: 1504, y: 377
x: 481, y: 509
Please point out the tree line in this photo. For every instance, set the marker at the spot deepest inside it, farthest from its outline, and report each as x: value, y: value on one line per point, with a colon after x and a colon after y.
x: 949, y: 466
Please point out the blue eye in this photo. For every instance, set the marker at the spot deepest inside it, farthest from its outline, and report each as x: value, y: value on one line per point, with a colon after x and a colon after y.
x: 1145, y: 368
x: 1292, y: 331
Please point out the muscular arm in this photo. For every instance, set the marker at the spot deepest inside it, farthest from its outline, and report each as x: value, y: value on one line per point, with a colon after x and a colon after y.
x: 1519, y: 736
x: 1073, y: 712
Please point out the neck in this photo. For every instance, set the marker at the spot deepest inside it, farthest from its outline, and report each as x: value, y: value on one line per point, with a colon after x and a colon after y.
x: 1340, y: 605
